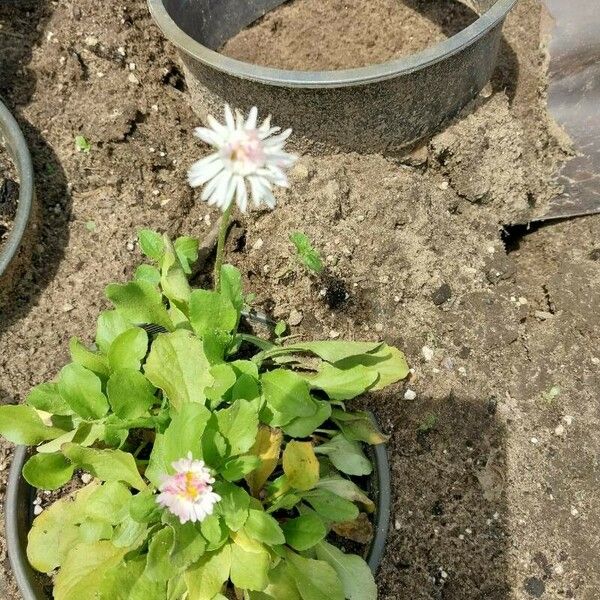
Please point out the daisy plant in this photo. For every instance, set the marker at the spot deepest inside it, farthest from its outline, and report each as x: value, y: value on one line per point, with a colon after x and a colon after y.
x: 220, y: 465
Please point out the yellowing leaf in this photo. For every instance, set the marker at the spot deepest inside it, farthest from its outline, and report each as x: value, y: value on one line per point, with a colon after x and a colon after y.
x: 267, y: 447
x: 300, y: 465
x: 206, y: 578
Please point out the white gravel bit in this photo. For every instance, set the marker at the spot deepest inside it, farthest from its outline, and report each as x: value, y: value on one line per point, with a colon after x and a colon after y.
x: 397, y: 524
x: 568, y: 419
x: 560, y: 430
x: 410, y: 394
x: 534, y: 440
x: 427, y: 353
x: 379, y: 327
x: 333, y: 334
x: 258, y: 244
x: 37, y: 510
x: 133, y: 79
x: 574, y: 511
x: 86, y: 478
x: 295, y: 318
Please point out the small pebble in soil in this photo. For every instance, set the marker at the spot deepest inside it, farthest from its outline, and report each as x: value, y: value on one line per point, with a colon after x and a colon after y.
x: 333, y: 334
x: 574, y: 512
x: 560, y: 430
x: 427, y: 353
x: 295, y: 318
x: 534, y: 440
x: 535, y: 587
x: 410, y: 394
x: 379, y: 327
x: 258, y: 244
x: 86, y: 478
x: 442, y: 294
x: 37, y: 510
x: 568, y: 419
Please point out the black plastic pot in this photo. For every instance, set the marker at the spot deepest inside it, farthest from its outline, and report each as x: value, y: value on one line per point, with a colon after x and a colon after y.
x: 19, y: 516
x: 16, y: 146
x: 375, y: 108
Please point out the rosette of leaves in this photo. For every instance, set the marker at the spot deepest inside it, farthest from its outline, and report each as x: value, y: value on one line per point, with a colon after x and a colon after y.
x: 164, y: 378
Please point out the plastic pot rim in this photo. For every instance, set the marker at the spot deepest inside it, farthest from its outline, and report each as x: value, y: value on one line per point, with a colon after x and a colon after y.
x: 330, y: 79
x: 19, y: 153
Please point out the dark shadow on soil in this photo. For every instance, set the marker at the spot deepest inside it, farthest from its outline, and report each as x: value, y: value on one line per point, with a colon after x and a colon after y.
x: 448, y: 538
x: 23, y: 25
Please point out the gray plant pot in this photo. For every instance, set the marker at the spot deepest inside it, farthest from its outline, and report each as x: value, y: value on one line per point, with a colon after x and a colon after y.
x: 375, y: 108
x: 19, y: 516
x: 16, y: 146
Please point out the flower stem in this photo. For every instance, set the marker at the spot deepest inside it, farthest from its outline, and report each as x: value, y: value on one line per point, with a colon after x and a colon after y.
x: 221, y: 246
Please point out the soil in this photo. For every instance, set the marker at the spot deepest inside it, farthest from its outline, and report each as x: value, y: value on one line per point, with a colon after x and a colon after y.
x: 310, y: 35
x: 494, y: 439
x: 9, y: 193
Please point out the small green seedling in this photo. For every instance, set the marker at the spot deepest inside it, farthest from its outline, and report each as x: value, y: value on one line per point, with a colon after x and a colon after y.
x: 309, y: 257
x: 90, y: 226
x: 552, y: 394
x: 427, y: 424
x: 82, y: 144
x: 280, y: 328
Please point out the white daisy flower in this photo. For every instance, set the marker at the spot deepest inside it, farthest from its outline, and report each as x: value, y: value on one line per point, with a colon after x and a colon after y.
x: 188, y: 493
x: 247, y: 156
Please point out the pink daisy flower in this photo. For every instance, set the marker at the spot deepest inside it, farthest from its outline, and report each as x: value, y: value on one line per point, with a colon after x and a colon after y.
x: 188, y: 493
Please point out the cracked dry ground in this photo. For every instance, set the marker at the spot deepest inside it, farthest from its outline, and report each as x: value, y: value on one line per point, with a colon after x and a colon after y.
x: 495, y: 476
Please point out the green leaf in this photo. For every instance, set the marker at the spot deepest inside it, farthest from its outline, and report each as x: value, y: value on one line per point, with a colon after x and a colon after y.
x: 281, y: 585
x: 108, y: 465
x: 82, y: 390
x: 173, y: 279
x: 146, y: 589
x: 139, y: 302
x: 56, y: 530
x: 21, y: 424
x: 46, y: 397
x: 301, y: 427
x: 249, y: 566
x: 187, y: 252
x: 93, y: 531
x: 231, y: 286
x: 224, y: 378
x: 47, y: 471
x: 158, y: 566
x: 206, y: 578
x: 239, y: 426
x: 388, y: 362
x: 215, y: 532
x: 178, y: 366
x: 82, y: 144
x: 214, y: 446
x: 341, y: 384
x: 306, y: 253
x: 143, y: 507
x: 304, y: 531
x: 238, y: 467
x: 315, y: 579
x: 300, y: 465
x: 346, y: 456
x: 128, y: 349
x: 211, y: 310
x: 184, y: 434
x: 330, y: 506
x: 129, y: 533
x: 348, y: 490
x: 130, y: 394
x: 264, y: 528
x: 358, y: 426
x: 188, y: 544
x: 86, y: 358
x: 330, y: 350
x: 151, y: 244
x: 148, y: 273
x: 84, y: 570
x: 354, y: 573
x: 85, y: 435
x: 234, y: 504
x: 111, y: 323
x: 286, y: 393
x: 107, y: 502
